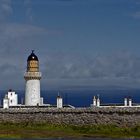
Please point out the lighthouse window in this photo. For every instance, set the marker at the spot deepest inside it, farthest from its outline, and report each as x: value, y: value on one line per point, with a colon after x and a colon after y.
x: 11, y: 101
x: 11, y: 94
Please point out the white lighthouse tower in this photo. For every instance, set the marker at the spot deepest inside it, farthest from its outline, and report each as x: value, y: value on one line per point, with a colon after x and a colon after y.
x: 32, y: 77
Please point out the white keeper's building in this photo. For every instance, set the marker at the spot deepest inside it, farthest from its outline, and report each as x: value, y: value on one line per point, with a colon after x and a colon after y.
x: 11, y: 99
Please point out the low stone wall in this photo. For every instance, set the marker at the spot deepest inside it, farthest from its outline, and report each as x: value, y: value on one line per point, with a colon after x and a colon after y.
x: 79, y: 116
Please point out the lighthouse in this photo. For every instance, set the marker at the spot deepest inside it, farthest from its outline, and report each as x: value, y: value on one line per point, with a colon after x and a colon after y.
x: 32, y: 77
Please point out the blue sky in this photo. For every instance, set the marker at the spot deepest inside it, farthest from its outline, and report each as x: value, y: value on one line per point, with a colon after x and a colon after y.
x: 78, y: 42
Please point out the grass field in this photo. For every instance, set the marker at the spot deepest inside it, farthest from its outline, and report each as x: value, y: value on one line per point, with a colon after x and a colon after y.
x: 26, y: 130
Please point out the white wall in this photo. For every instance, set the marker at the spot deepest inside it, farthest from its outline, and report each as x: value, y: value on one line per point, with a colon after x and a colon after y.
x: 5, y: 103
x: 59, y: 102
x: 13, y: 98
x: 98, y: 102
x: 32, y: 93
x: 41, y: 101
x: 130, y: 102
x: 94, y: 101
x: 125, y: 101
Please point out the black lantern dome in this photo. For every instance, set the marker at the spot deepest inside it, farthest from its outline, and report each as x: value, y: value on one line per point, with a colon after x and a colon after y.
x: 32, y: 57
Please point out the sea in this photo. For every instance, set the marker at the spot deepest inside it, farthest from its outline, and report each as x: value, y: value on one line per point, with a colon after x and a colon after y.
x: 82, y: 97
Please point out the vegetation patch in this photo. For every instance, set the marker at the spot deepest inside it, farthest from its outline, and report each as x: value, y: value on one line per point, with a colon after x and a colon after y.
x: 44, y: 130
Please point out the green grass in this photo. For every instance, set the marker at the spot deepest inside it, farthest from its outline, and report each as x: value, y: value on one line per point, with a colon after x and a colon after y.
x: 28, y: 130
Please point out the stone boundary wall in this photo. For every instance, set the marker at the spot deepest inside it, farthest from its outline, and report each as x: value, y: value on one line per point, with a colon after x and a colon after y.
x: 80, y: 116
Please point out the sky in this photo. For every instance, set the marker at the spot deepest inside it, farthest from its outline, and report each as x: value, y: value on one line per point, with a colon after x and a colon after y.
x: 79, y: 43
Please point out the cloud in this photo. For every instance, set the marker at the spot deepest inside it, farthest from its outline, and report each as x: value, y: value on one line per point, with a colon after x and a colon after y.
x: 118, y: 69
x: 13, y: 35
x: 20, y: 30
x: 136, y: 15
x: 9, y: 70
x: 15, y: 41
x: 11, y: 76
x: 5, y: 9
x: 61, y: 69
x: 135, y: 6
x: 28, y: 6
